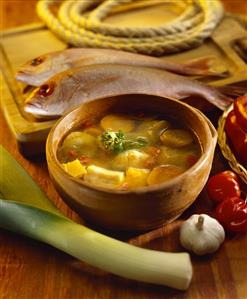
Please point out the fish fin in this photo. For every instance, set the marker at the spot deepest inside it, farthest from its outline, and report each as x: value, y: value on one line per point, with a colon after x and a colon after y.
x: 232, y: 90
x: 203, y: 66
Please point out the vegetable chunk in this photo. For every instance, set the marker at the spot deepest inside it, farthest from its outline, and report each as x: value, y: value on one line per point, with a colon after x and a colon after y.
x: 177, y: 156
x: 176, y: 138
x: 116, y: 122
x: 78, y: 138
x: 136, y: 177
x: 130, y: 158
x: 78, y: 142
x: 151, y: 129
x: 104, y: 177
x: 163, y: 173
x: 75, y: 168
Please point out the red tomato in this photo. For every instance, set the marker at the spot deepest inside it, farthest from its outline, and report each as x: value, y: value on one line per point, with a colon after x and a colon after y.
x: 237, y: 138
x: 232, y: 214
x: 222, y: 186
x: 240, y: 109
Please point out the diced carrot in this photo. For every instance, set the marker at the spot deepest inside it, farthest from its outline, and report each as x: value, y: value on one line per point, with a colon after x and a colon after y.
x: 84, y: 160
x: 72, y: 153
x: 152, y: 150
x: 124, y: 186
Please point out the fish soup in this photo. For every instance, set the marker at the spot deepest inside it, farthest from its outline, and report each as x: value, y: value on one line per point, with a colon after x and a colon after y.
x: 124, y: 152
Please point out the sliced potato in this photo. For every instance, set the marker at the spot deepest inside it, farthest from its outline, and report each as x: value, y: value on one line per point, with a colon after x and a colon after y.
x: 151, y: 129
x: 78, y: 138
x: 116, y: 122
x: 163, y: 173
x: 81, y: 142
x: 75, y: 168
x: 94, y: 131
x: 136, y: 177
x: 176, y: 137
x: 100, y: 176
x: 153, y: 125
x: 177, y: 156
x: 130, y: 158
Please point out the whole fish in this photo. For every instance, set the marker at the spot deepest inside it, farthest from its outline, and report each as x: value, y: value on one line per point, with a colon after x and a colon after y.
x: 71, y: 88
x: 38, y: 70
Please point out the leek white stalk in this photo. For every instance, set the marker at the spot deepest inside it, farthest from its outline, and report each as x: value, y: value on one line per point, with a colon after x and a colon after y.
x: 170, y: 269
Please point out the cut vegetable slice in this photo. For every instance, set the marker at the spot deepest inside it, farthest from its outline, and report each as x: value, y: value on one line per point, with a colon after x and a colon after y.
x: 136, y: 177
x: 78, y: 139
x: 151, y: 129
x: 99, y: 176
x: 176, y: 137
x: 117, y: 122
x: 75, y: 168
x: 163, y: 173
x: 130, y: 158
x: 181, y: 157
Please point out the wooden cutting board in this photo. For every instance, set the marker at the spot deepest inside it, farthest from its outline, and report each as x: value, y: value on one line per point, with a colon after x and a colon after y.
x: 24, y: 43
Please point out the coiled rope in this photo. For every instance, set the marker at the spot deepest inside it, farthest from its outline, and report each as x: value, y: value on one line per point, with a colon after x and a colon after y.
x: 190, y: 29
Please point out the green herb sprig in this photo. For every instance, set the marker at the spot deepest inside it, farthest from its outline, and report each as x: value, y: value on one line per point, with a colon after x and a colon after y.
x: 117, y: 143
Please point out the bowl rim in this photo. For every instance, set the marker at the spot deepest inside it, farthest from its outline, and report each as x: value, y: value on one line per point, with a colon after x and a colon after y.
x: 139, y: 190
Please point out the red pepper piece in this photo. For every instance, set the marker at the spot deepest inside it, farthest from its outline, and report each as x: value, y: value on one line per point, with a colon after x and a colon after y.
x: 72, y: 153
x: 87, y: 124
x: 232, y: 214
x: 223, y: 185
x: 237, y: 138
x: 84, y: 160
x: 240, y: 109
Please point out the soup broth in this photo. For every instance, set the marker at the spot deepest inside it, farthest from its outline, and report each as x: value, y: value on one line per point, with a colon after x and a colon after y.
x: 124, y: 152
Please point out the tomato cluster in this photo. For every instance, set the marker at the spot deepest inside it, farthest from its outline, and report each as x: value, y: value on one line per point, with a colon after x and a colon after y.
x: 236, y: 129
x: 231, y: 211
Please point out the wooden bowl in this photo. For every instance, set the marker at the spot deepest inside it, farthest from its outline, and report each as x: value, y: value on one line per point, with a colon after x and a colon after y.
x: 146, y: 207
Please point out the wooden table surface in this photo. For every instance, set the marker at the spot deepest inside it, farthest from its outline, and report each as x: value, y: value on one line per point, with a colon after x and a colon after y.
x: 32, y: 270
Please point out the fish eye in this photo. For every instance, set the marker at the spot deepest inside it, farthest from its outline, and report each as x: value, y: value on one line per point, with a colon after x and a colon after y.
x: 37, y: 61
x: 46, y: 89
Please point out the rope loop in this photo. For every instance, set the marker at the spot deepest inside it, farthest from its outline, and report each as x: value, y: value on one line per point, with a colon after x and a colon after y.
x: 80, y: 24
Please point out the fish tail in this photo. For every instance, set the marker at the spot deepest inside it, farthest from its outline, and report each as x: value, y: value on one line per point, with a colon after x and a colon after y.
x: 223, y: 101
x: 232, y: 90
x: 225, y: 95
x: 203, y: 66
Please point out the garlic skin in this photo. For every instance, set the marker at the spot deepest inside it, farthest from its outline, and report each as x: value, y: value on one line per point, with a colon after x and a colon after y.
x: 201, y: 234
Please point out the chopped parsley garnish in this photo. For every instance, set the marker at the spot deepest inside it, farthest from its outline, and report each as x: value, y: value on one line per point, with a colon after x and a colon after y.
x: 116, y: 142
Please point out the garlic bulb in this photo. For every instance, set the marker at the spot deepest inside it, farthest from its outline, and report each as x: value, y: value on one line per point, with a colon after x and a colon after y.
x: 201, y: 234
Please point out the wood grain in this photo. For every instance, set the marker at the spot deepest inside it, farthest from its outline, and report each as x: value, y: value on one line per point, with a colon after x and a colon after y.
x: 32, y: 270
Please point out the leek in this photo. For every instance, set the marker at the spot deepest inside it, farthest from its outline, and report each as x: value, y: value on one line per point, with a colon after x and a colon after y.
x: 15, y: 183
x: 29, y: 212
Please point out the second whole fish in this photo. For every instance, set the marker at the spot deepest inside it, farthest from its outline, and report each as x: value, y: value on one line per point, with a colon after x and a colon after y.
x: 40, y: 69
x: 71, y: 88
